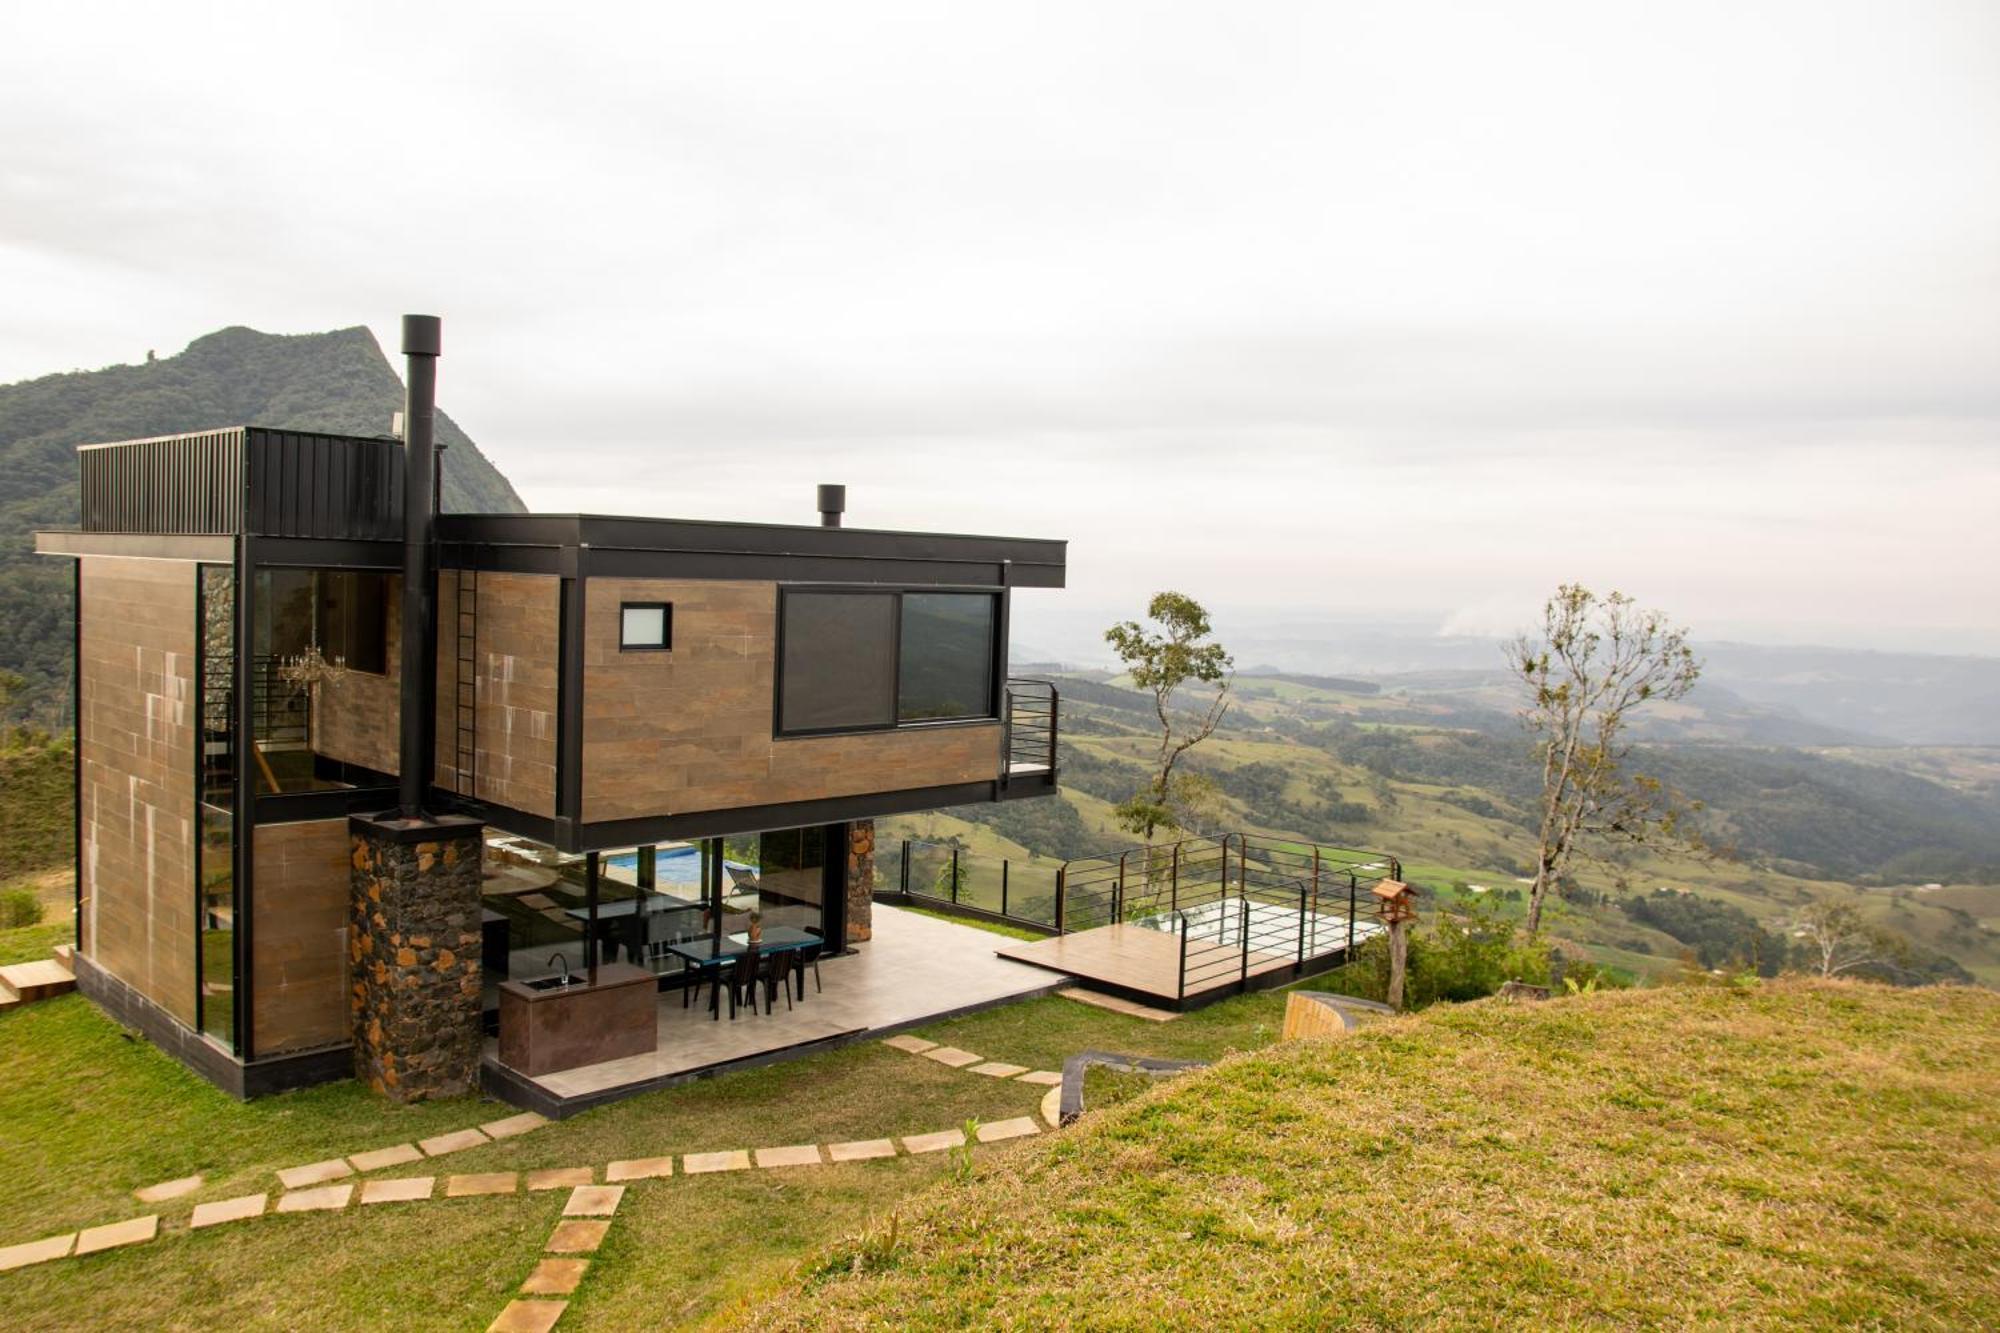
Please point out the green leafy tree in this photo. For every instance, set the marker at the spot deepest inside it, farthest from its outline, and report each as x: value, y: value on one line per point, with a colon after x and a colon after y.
x: 1177, y: 650
x: 1596, y: 660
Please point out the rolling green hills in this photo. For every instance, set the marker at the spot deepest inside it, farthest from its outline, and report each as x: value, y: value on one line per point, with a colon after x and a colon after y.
x: 1354, y: 769
x: 337, y: 381
x: 1787, y: 1155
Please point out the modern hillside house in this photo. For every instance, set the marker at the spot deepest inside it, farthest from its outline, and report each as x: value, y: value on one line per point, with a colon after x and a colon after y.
x: 368, y: 791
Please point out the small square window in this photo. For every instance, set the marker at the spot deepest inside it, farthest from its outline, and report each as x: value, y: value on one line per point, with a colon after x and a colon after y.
x: 646, y: 626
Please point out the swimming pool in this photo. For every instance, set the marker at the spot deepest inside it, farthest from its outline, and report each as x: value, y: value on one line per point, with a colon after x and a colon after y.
x: 671, y: 865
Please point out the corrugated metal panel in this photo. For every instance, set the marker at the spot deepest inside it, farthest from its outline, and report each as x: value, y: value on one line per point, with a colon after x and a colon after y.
x: 332, y: 486
x: 182, y: 484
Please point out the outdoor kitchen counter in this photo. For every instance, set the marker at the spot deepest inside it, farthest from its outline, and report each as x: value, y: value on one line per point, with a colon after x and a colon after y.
x: 542, y: 1031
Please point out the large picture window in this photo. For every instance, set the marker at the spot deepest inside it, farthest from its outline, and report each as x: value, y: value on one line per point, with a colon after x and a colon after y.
x: 859, y: 661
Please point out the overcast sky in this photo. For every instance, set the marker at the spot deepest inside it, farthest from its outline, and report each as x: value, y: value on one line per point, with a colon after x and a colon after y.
x: 1325, y: 310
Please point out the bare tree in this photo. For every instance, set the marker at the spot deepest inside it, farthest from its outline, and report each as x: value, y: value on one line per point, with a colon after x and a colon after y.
x: 1595, y: 662
x: 1837, y: 940
x: 1161, y: 662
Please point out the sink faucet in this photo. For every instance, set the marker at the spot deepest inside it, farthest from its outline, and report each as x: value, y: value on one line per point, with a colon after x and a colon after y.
x: 556, y: 958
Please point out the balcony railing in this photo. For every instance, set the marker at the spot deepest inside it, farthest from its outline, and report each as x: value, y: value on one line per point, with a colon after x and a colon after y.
x: 1029, y: 755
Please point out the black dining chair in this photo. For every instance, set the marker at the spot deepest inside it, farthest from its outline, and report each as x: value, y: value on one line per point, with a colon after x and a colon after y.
x: 775, y: 972
x: 740, y: 974
x: 807, y: 956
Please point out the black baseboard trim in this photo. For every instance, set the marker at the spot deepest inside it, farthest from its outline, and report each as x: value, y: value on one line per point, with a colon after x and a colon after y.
x: 259, y: 1078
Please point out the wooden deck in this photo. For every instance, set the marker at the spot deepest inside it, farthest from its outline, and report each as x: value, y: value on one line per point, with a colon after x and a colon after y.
x: 1140, y: 961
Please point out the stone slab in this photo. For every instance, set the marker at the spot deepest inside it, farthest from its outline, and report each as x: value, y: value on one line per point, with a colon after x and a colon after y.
x: 381, y: 1159
x: 404, y: 1189
x: 577, y: 1237
x: 1052, y: 1106
x: 513, y: 1125
x: 560, y: 1178
x: 134, y: 1231
x: 227, y: 1210
x: 861, y: 1150
x: 36, y: 1251
x: 639, y: 1168
x: 1019, y: 1127
x: 804, y: 1154
x: 528, y: 1317
x: 1116, y: 1005
x: 701, y: 1163
x: 998, y: 1069
x: 938, y: 1142
x: 1046, y: 1078
x: 555, y: 1277
x: 315, y: 1173
x: 951, y: 1055
x: 167, y: 1189
x: 456, y: 1141
x: 482, y: 1182
x: 324, y: 1199
x: 903, y: 1041
x: 593, y: 1201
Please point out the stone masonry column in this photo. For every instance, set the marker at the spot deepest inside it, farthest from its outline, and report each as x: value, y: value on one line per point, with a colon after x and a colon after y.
x: 860, y: 880
x: 413, y: 946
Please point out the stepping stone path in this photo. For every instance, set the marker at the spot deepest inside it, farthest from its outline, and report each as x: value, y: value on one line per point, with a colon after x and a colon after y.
x: 227, y: 1210
x: 457, y: 1141
x: 951, y: 1055
x: 317, y: 1173
x: 137, y: 1231
x: 327, y: 1198
x: 559, y: 1276
x: 905, y: 1042
x: 639, y: 1168
x: 167, y: 1189
x: 407, y: 1189
x: 560, y: 1178
x: 514, y: 1125
x: 485, y: 1182
x: 381, y: 1159
x: 995, y: 1069
x: 938, y: 1142
x: 862, y: 1150
x: 1046, y: 1078
x: 806, y: 1154
x: 36, y: 1251
x: 700, y: 1163
x: 1019, y: 1127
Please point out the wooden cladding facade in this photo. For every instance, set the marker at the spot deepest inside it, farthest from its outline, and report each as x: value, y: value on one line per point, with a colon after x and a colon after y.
x: 136, y: 721
x: 299, y: 959
x: 690, y: 730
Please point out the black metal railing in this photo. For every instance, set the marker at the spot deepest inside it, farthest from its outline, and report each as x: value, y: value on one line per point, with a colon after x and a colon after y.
x: 1241, y: 904
x: 947, y: 877
x: 1032, y: 708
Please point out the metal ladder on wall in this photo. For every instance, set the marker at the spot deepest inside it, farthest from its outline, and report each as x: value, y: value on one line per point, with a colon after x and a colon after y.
x: 465, y: 701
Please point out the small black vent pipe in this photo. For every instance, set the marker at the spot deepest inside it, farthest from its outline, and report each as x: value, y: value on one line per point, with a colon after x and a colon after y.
x: 422, y: 341
x: 832, y: 503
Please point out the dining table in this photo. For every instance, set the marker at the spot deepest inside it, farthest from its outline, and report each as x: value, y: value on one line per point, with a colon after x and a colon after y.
x: 705, y: 952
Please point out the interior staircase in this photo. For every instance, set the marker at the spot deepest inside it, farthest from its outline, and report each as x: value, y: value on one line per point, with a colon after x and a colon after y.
x: 24, y: 983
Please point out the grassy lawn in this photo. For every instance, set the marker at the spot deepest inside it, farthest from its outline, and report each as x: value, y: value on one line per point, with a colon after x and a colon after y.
x: 26, y: 944
x: 1794, y: 1154
x: 91, y: 1114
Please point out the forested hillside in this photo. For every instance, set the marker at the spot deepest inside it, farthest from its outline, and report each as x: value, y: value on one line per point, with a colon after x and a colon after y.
x: 338, y: 381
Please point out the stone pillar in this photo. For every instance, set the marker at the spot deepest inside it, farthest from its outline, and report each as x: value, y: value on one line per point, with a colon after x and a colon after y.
x: 413, y: 942
x: 860, y: 880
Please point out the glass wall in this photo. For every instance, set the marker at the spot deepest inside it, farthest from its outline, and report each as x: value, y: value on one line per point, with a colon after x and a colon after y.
x: 946, y: 651
x: 649, y: 901
x: 311, y: 625
x: 215, y: 854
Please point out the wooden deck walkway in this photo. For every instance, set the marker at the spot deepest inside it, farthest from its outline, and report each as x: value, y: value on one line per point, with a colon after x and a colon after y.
x: 1141, y: 961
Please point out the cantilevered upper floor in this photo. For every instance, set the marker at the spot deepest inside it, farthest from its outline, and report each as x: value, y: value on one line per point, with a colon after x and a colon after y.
x: 601, y: 681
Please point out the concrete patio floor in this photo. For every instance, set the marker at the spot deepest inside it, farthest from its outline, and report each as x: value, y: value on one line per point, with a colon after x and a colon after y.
x: 915, y: 968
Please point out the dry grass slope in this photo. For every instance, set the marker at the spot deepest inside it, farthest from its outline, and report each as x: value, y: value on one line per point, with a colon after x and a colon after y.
x: 1798, y: 1154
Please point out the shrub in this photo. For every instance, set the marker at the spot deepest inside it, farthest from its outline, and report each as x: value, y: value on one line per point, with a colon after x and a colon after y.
x: 1462, y: 955
x: 19, y: 907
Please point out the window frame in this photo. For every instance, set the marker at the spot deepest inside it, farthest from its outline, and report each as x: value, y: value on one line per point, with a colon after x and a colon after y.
x: 666, y: 644
x: 995, y: 664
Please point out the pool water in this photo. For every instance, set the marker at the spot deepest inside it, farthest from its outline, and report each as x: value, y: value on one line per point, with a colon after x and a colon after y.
x: 671, y: 865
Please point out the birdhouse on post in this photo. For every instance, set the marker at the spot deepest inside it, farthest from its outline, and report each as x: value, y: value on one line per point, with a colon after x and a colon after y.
x: 1396, y: 904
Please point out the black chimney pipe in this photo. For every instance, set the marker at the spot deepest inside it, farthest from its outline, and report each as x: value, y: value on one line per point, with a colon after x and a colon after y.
x: 832, y: 503
x: 421, y: 346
